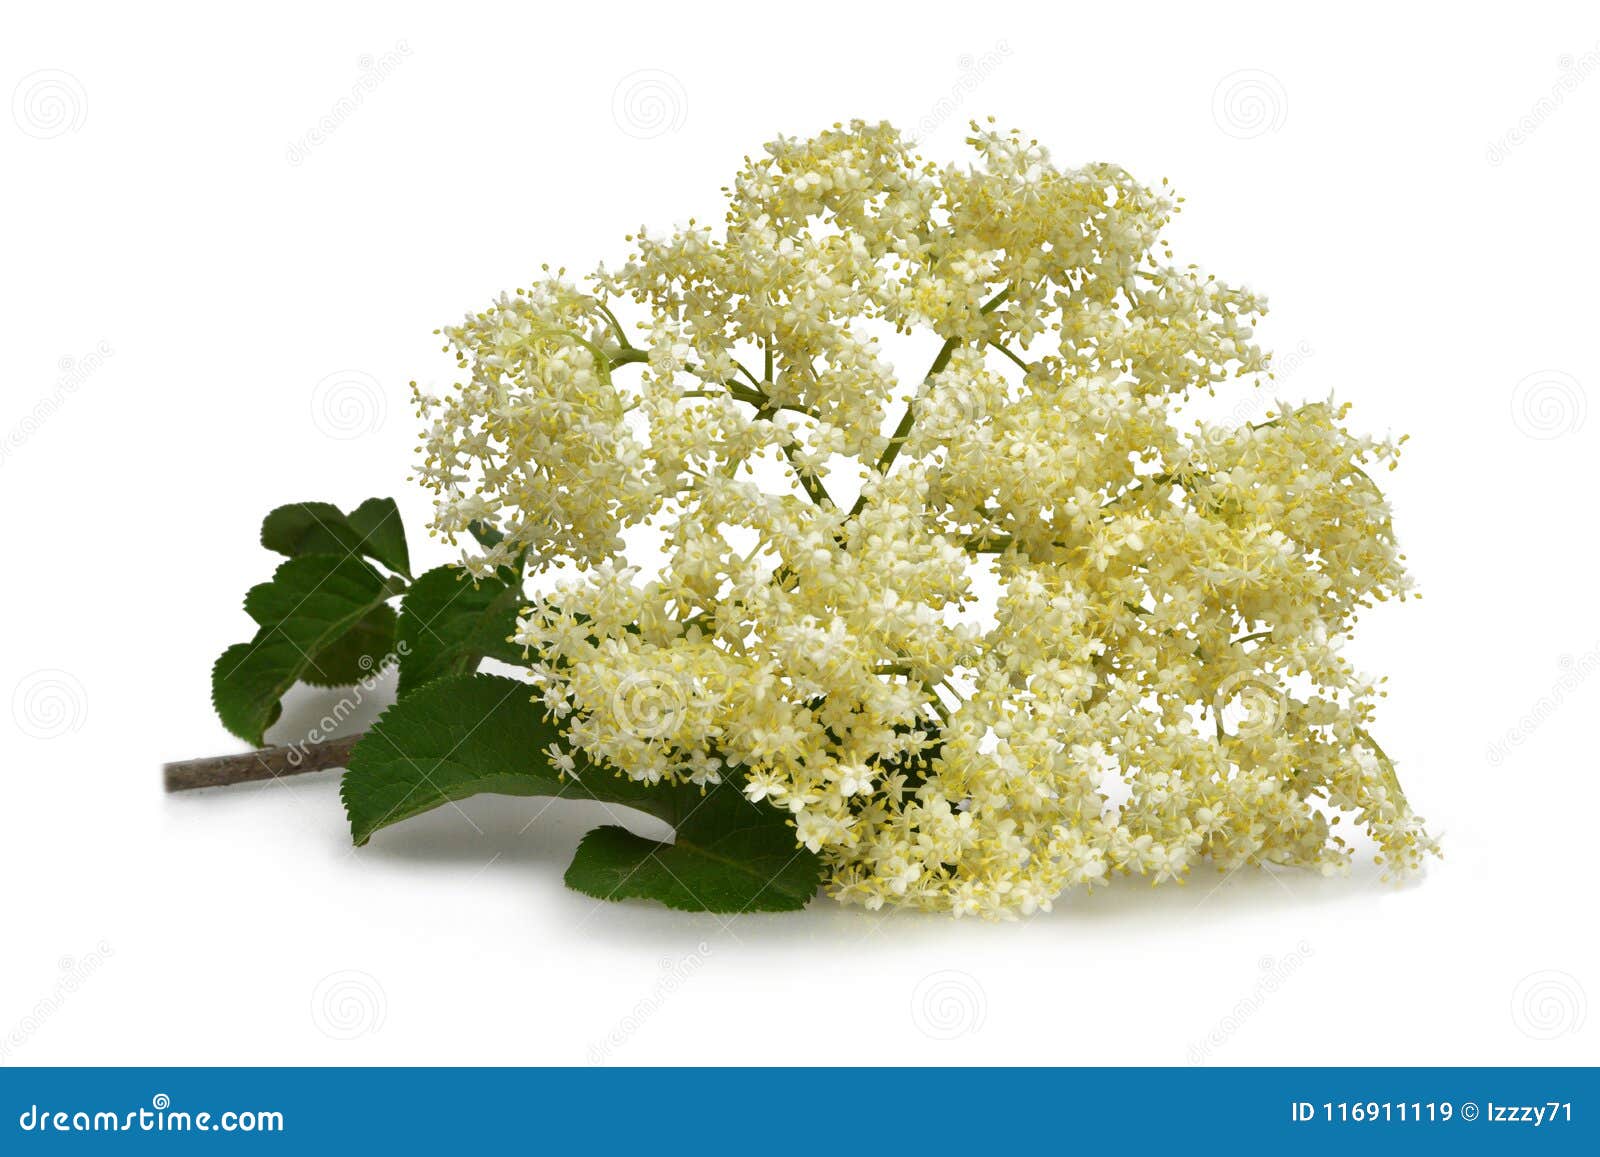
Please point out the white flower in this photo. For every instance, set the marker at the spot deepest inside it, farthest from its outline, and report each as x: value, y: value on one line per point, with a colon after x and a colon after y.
x: 562, y: 760
x: 829, y: 654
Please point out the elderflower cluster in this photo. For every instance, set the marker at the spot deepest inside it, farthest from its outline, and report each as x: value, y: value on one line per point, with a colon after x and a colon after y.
x: 1158, y: 682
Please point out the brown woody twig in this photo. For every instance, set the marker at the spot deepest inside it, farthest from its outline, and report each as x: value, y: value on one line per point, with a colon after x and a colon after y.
x: 267, y: 763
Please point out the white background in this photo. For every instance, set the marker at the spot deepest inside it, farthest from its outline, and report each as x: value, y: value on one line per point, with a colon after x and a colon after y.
x: 178, y: 290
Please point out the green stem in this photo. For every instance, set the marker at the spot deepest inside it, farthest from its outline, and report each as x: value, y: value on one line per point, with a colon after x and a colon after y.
x: 1392, y: 777
x: 989, y: 543
x: 809, y: 481
x: 765, y: 409
x: 902, y: 431
x: 1005, y: 350
x: 616, y: 325
x: 751, y: 377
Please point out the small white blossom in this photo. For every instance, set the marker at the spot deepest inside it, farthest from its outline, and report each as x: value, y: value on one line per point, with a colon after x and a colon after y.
x: 1159, y: 680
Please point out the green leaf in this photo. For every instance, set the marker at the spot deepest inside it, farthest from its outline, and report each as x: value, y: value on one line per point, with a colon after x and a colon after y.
x: 355, y: 655
x: 729, y: 855
x: 308, y: 606
x: 456, y: 737
x: 448, y: 624
x: 465, y: 734
x: 453, y: 738
x: 383, y: 533
x: 488, y: 537
x: 372, y: 529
